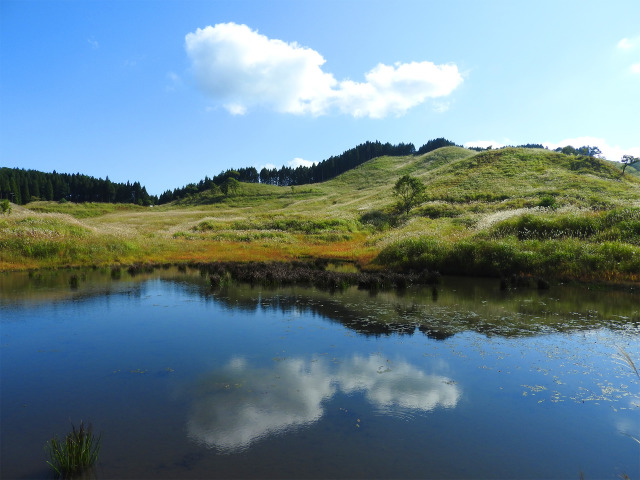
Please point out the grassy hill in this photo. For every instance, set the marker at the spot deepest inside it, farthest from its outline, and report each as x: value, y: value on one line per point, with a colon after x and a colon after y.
x: 499, y: 212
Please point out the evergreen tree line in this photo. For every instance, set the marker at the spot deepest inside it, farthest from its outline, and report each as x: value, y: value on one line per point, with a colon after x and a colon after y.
x: 23, y: 186
x: 302, y: 175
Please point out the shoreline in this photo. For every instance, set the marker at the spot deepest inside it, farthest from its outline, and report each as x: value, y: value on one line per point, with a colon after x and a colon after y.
x: 330, y: 274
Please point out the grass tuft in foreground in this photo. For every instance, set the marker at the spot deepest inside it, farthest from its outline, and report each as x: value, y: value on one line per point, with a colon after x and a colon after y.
x: 75, y: 454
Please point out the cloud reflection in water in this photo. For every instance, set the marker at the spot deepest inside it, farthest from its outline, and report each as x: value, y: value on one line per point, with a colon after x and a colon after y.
x: 240, y: 403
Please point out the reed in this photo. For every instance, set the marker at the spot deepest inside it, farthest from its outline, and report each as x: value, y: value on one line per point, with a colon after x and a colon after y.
x: 629, y: 361
x: 76, y: 453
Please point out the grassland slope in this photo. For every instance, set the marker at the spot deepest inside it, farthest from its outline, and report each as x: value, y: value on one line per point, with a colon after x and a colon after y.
x: 473, y: 220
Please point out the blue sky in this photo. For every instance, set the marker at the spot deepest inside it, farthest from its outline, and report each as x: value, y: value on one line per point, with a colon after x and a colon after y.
x: 167, y: 92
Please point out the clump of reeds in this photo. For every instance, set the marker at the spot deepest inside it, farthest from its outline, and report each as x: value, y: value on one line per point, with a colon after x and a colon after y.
x: 76, y: 453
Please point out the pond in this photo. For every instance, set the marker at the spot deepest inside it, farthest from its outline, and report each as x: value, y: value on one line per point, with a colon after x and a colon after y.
x: 461, y: 380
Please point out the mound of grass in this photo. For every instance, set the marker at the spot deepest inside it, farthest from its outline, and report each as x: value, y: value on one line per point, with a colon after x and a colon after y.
x: 562, y: 259
x: 516, y: 173
x: 622, y: 224
x: 581, y: 245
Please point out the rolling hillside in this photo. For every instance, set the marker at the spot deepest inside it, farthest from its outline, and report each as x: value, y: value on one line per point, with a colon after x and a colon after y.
x: 580, y: 202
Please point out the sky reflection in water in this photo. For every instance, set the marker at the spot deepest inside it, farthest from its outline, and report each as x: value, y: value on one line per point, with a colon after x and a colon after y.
x: 186, y: 382
x: 239, y: 403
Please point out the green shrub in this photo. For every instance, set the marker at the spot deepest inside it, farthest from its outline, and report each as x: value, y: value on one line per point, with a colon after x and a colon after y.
x: 548, y: 201
x: 379, y: 220
x: 5, y: 207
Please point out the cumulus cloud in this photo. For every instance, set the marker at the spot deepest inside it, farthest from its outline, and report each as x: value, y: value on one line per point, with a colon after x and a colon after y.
x: 241, y: 68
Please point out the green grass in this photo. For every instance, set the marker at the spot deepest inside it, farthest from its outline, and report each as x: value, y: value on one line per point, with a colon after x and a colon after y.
x: 621, y: 224
x: 492, y: 213
x: 559, y: 259
x: 83, y: 210
x: 76, y: 453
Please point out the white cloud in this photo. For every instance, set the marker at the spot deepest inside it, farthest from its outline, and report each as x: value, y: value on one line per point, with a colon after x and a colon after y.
x: 440, y: 107
x: 635, y: 68
x: 242, y: 68
x: 301, y: 162
x: 236, y: 108
x: 610, y: 152
x: 396, y: 89
x: 625, y: 44
x: 295, y: 163
x: 628, y: 43
x: 484, y: 144
x: 173, y: 81
x: 93, y: 42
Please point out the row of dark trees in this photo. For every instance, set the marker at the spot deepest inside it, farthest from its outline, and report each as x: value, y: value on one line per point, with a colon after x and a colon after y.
x: 23, y: 186
x: 302, y: 175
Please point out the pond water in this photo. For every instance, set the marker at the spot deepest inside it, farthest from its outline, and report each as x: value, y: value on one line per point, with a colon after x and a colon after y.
x: 182, y: 381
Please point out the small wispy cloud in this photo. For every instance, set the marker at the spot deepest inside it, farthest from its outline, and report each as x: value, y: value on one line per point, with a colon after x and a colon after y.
x: 235, y: 108
x: 441, y: 107
x: 173, y: 81
x: 630, y: 46
x: 93, y: 42
x: 241, y: 68
x: 628, y: 43
x: 484, y: 144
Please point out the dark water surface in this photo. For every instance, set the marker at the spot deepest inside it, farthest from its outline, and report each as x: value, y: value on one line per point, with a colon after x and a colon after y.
x: 188, y: 382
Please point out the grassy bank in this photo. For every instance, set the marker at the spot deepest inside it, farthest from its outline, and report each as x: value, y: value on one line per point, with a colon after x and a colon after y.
x: 496, y: 213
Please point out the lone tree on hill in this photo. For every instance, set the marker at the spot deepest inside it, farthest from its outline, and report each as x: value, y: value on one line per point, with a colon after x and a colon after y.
x: 409, y: 191
x: 230, y: 186
x: 628, y: 160
x: 5, y: 207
